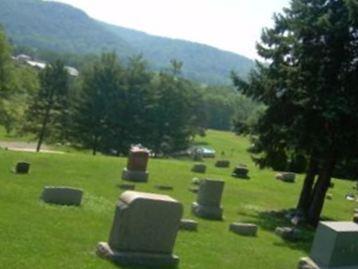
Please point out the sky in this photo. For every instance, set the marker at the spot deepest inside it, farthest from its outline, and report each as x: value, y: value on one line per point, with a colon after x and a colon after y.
x: 232, y: 25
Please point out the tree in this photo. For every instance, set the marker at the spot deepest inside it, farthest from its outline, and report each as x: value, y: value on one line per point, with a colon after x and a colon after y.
x: 24, y: 84
x: 131, y: 113
x: 121, y: 106
x: 172, y: 118
x: 6, y: 78
x: 310, y: 90
x: 50, y: 102
x: 17, y: 83
x: 96, y: 116
x: 5, y: 65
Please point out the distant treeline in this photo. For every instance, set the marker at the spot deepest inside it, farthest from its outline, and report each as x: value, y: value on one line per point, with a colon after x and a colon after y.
x: 112, y: 104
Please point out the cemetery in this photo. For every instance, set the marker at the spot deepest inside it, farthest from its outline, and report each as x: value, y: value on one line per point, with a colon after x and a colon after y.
x: 75, y: 211
x: 179, y: 152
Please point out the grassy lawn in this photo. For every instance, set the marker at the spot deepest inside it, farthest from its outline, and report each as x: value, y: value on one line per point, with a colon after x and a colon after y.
x: 37, y: 235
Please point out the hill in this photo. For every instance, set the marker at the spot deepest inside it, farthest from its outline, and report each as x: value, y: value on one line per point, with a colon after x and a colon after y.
x: 42, y: 236
x: 55, y: 26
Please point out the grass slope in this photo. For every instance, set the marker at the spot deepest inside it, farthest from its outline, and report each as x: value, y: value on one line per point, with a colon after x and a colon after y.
x: 37, y: 235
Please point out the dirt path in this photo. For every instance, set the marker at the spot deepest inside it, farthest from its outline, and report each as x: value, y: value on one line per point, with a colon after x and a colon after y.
x: 26, y: 147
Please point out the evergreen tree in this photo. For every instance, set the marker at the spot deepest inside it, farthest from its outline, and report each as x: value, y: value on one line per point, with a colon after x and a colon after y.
x: 310, y: 90
x: 134, y: 106
x: 173, y: 121
x: 98, y: 113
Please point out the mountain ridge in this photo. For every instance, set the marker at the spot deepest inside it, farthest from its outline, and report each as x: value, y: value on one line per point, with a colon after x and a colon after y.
x: 59, y: 27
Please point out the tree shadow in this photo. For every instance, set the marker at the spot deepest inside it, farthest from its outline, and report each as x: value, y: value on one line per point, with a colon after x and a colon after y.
x: 201, y: 143
x: 143, y: 267
x: 270, y: 220
x: 245, y: 177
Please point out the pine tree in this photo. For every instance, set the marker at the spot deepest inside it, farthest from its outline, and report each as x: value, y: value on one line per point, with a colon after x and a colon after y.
x: 96, y: 114
x: 310, y: 90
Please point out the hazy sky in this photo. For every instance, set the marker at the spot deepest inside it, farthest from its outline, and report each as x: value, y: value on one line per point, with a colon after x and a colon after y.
x: 233, y: 25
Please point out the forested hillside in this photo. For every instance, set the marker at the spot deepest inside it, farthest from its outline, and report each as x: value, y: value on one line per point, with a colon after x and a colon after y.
x: 62, y: 28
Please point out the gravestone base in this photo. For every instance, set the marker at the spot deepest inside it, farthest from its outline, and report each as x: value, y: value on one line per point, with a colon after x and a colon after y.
x: 154, y: 260
x: 308, y: 263
x: 207, y: 212
x: 136, y: 176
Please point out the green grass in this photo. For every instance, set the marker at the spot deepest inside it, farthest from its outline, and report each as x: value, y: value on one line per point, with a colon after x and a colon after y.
x: 37, y: 235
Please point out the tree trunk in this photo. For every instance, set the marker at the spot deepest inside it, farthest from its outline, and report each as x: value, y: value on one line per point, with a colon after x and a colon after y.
x: 307, y: 188
x: 320, y: 191
x: 43, y: 129
x: 94, y: 146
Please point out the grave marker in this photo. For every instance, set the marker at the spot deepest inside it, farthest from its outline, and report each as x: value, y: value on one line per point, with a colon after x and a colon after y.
x: 335, y: 246
x: 199, y: 168
x: 208, y: 204
x: 286, y: 176
x: 222, y: 163
x: 22, y: 168
x: 62, y: 195
x: 144, y: 230
x: 136, y: 169
x: 246, y: 229
x: 241, y: 171
x: 188, y: 225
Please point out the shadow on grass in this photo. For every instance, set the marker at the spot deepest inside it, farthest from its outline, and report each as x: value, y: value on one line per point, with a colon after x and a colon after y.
x: 270, y: 220
x: 200, y: 143
x: 145, y: 267
x: 240, y: 177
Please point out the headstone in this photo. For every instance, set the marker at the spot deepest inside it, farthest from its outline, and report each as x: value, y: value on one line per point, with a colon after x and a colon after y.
x: 22, y: 168
x: 286, y: 176
x: 144, y: 230
x: 208, y: 204
x: 188, y: 225
x: 355, y: 218
x: 247, y: 229
x: 136, y: 169
x: 335, y: 246
x: 329, y: 196
x: 164, y: 187
x: 222, y: 163
x: 199, y: 168
x: 241, y: 171
x: 127, y: 187
x: 288, y: 233
x: 356, y: 211
x: 62, y: 195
